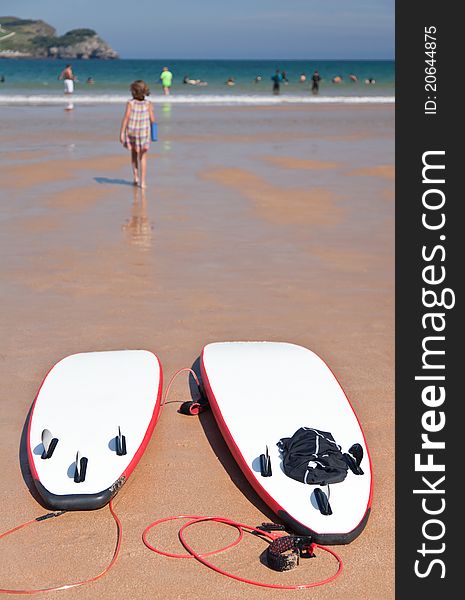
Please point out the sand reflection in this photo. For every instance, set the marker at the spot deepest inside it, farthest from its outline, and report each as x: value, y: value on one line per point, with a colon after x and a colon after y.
x: 138, y: 228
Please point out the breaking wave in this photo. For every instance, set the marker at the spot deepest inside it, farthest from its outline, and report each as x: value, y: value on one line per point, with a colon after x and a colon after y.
x: 205, y: 99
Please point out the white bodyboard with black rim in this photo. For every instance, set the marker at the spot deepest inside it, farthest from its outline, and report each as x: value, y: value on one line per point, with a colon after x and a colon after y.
x: 261, y: 392
x: 89, y: 425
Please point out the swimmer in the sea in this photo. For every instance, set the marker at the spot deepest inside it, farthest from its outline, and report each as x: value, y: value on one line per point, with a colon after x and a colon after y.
x: 190, y: 81
x: 337, y: 79
x: 230, y: 81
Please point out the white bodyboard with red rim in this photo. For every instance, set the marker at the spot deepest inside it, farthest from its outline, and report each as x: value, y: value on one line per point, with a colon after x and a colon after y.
x: 90, y: 423
x: 261, y: 392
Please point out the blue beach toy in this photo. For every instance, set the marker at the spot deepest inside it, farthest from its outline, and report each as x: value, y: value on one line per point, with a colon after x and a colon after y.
x: 154, y: 131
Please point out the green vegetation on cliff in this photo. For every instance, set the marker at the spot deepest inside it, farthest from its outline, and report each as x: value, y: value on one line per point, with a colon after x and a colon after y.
x: 37, y: 39
x: 16, y: 34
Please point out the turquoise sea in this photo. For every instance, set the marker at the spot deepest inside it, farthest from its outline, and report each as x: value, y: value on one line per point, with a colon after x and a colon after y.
x: 35, y: 81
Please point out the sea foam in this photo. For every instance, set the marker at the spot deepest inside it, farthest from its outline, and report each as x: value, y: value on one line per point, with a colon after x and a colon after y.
x: 204, y: 99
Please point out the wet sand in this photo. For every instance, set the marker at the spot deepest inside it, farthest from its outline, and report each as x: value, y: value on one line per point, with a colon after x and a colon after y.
x: 256, y: 225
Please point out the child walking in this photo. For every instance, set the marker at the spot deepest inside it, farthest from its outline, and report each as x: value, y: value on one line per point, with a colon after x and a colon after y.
x: 135, y: 130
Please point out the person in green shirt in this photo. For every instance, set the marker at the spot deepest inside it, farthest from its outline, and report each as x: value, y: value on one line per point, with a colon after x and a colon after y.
x: 166, y: 78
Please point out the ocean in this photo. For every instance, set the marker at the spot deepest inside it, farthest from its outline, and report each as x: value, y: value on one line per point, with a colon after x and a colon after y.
x: 35, y: 82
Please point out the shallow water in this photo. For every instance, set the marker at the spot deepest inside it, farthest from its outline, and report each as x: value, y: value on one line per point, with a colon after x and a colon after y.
x: 38, y: 78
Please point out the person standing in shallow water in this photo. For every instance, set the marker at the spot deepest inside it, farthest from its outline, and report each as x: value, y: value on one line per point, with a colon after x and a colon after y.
x: 68, y: 78
x: 166, y: 78
x: 276, y: 79
x: 316, y: 82
x: 135, y: 130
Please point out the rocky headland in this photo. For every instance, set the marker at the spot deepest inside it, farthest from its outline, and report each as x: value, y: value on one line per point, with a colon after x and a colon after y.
x: 26, y: 38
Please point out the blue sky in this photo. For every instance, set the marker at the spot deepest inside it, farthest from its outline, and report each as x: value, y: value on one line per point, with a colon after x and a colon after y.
x: 225, y: 29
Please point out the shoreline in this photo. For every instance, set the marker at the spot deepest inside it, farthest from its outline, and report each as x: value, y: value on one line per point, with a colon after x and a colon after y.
x: 206, y: 99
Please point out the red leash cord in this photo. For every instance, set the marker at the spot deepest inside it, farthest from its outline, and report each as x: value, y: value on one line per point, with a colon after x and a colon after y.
x: 67, y: 586
x: 192, y: 518
x: 185, y: 369
x: 241, y: 527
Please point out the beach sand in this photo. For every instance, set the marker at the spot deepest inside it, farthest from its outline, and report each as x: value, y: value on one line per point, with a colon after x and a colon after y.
x: 256, y: 225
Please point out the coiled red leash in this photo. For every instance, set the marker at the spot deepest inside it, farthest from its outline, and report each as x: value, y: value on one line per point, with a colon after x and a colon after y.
x: 192, y: 518
x: 241, y: 527
x: 66, y: 586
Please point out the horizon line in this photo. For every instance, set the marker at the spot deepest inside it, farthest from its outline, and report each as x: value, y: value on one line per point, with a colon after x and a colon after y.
x: 256, y: 59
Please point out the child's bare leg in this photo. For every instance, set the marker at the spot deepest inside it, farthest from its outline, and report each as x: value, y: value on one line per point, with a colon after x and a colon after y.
x: 143, y: 168
x: 134, y: 164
